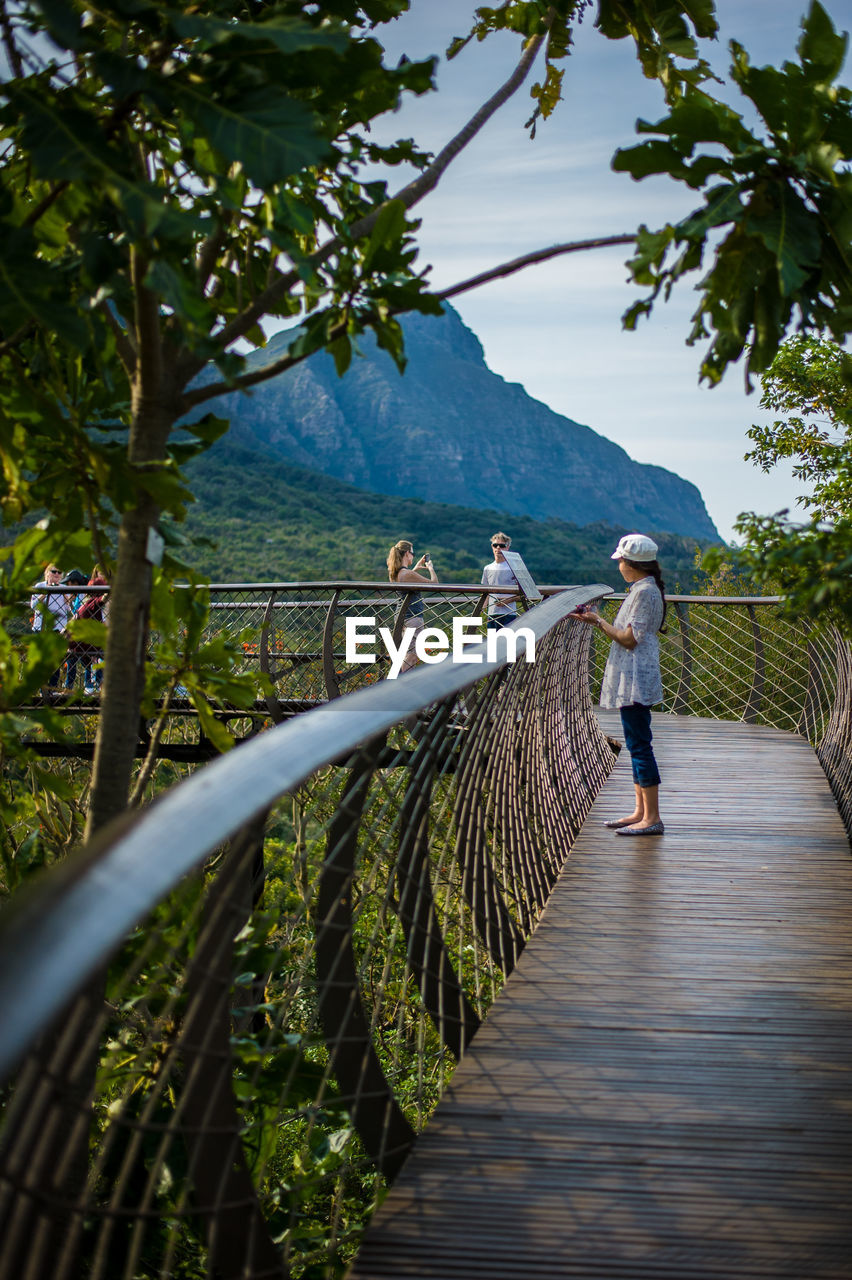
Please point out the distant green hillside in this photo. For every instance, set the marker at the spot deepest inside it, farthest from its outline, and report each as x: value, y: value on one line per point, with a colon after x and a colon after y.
x: 271, y: 521
x: 450, y: 431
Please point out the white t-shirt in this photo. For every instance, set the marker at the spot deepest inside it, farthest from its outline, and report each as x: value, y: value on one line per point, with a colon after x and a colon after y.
x: 59, y: 604
x: 500, y: 575
x: 633, y: 675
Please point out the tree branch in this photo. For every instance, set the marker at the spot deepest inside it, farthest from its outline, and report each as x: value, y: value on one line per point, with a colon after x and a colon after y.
x: 123, y: 342
x: 210, y: 249
x: 17, y: 337
x: 408, y: 195
x: 12, y: 51
x: 147, y: 340
x: 530, y: 259
x: 49, y: 200
x: 143, y: 777
x: 213, y: 389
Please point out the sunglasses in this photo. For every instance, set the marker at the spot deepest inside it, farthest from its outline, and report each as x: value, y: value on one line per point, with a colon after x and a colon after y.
x: 501, y: 545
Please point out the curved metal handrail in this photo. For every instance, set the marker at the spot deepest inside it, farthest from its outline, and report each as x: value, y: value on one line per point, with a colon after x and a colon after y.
x: 55, y: 938
x: 256, y: 1028
x: 429, y: 817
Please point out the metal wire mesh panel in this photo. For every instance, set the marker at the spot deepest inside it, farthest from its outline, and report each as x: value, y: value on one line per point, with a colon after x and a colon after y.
x: 740, y: 660
x: 223, y: 1031
x: 834, y: 749
x: 280, y: 630
x: 297, y: 633
x: 239, y: 1076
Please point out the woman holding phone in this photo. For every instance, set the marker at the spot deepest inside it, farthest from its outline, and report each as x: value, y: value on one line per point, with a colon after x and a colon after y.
x: 632, y: 680
x: 402, y: 569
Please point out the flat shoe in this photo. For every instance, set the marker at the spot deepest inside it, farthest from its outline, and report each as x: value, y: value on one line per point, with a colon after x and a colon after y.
x: 655, y: 829
x: 615, y: 823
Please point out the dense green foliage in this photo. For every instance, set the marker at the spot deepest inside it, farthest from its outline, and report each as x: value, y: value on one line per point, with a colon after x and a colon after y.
x: 264, y: 520
x: 783, y: 199
x: 174, y: 176
x: 167, y: 178
x: 810, y: 384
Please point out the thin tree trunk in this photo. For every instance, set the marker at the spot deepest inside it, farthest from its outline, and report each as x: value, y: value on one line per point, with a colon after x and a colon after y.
x: 118, y: 726
x: 154, y: 413
x: 69, y: 1095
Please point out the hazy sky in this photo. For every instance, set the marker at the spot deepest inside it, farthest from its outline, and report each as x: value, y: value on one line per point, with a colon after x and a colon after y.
x: 556, y: 328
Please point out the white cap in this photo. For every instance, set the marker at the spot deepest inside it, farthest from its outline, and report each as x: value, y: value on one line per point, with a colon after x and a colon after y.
x: 635, y: 546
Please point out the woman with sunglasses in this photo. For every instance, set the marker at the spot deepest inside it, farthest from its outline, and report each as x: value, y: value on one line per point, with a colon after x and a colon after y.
x: 51, y: 609
x: 401, y: 568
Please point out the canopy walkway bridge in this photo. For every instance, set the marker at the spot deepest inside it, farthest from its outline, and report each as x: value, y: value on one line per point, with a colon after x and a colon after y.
x: 234, y: 1022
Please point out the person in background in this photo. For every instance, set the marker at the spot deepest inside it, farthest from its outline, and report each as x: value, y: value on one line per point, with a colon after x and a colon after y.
x: 502, y: 610
x: 94, y: 607
x: 401, y: 569
x: 57, y: 604
x: 632, y: 680
x: 74, y: 578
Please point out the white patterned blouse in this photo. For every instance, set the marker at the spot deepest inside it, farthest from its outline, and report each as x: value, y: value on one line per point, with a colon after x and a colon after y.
x: 633, y: 675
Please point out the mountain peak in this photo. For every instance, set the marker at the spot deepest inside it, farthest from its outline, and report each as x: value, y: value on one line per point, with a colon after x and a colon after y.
x: 452, y: 431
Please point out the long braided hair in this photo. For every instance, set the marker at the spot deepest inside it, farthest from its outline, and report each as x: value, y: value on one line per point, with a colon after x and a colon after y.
x: 652, y: 567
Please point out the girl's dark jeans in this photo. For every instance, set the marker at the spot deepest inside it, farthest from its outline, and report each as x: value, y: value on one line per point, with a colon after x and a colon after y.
x: 636, y: 722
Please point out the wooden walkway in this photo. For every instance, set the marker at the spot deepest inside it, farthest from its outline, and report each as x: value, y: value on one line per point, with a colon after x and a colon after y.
x: 664, y: 1088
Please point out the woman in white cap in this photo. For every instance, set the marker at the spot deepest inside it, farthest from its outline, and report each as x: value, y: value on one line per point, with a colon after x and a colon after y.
x: 632, y: 679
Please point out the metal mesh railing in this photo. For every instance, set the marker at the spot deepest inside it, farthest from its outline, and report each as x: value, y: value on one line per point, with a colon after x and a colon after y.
x: 741, y: 659
x: 218, y: 1054
x: 224, y: 1026
x: 293, y: 633
x: 298, y: 631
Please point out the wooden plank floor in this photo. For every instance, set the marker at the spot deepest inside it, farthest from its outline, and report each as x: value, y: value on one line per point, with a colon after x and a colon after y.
x: 664, y: 1088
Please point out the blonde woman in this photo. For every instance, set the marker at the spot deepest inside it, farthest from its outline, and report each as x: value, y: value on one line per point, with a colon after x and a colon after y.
x: 402, y: 569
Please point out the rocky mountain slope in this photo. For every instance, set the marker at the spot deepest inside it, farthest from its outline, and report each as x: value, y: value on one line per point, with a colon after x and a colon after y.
x: 452, y: 431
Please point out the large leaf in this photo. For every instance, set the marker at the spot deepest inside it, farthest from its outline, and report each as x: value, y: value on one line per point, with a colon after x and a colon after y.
x: 696, y: 118
x: 821, y: 49
x: 766, y: 86
x: 285, y: 34
x: 792, y: 234
x: 271, y: 135
x: 657, y: 156
x: 208, y: 429
x: 63, y: 143
x: 390, y: 225
x: 31, y: 291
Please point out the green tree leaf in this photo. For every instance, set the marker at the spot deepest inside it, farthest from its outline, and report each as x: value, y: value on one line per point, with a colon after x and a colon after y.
x: 822, y: 49
x: 270, y: 135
